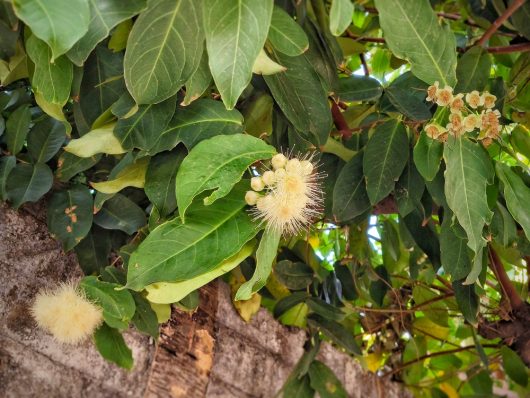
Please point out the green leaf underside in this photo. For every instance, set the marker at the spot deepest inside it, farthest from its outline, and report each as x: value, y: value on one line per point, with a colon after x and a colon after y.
x: 412, y: 32
x: 163, y: 50
x: 217, y: 163
x: 473, y: 70
x: 359, y: 88
x: 427, y: 156
x: 265, y: 255
x: 468, y: 172
x: 340, y: 16
x: 235, y: 33
x: 175, y: 251
x: 286, y: 35
x: 385, y: 158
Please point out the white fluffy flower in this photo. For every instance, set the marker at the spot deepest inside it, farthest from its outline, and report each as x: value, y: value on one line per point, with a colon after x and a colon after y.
x: 293, y: 195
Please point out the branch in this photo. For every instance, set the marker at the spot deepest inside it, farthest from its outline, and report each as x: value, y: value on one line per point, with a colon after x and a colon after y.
x: 506, y: 284
x: 499, y: 21
x: 365, y: 65
x: 520, y: 47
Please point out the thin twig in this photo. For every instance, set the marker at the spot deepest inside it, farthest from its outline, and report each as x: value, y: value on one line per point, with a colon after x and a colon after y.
x: 499, y: 21
x: 364, y: 64
x: 520, y: 47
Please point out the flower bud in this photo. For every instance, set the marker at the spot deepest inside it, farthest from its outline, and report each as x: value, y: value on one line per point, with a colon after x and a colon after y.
x: 269, y: 178
x: 251, y: 197
x: 307, y: 167
x: 293, y: 165
x: 278, y: 161
x: 257, y: 183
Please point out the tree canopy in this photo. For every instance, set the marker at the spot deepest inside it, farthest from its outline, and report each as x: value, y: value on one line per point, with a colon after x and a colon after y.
x: 358, y: 168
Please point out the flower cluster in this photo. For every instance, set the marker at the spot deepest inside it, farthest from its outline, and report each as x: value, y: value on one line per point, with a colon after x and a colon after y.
x: 66, y: 313
x: 468, y: 112
x: 287, y: 197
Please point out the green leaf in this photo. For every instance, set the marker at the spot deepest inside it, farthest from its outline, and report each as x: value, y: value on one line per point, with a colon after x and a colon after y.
x: 517, y: 195
x: 349, y: 194
x: 324, y: 309
x: 45, y: 139
x: 385, y: 158
x: 70, y: 215
x: 288, y: 302
x: 234, y: 42
x: 145, y: 319
x: 405, y: 100
x: 217, y: 163
x: 132, y: 175
x: 454, y: 250
x: 467, y: 300
x: 117, y: 305
x: 301, y: 97
x: 60, y: 23
x: 17, y: 127
x: 412, y: 32
x: 294, y: 275
x: 336, y: 332
x: 119, y: 212
x: 198, y: 82
x: 324, y: 381
x: 359, y: 88
x: 7, y: 164
x: 520, y: 139
x: 427, y: 156
x: 160, y: 180
x: 201, y: 120
x: 503, y: 226
x: 119, y: 36
x: 28, y: 183
x: 468, y: 172
x: 514, y: 366
x: 409, y: 189
x: 265, y: 255
x: 176, y: 252
x: 52, y: 80
x: 286, y: 35
x: 144, y: 128
x: 112, y: 347
x: 70, y: 165
x: 473, y: 70
x: 172, y: 292
x: 93, y: 251
x: 266, y: 66
x: 298, y: 388
x: 380, y: 286
x: 163, y: 49
x: 100, y: 140
x: 105, y: 15
x: 340, y: 16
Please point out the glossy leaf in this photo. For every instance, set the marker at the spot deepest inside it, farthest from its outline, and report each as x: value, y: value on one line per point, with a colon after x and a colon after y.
x: 163, y: 49
x: 7, y: 163
x: 93, y: 250
x: 132, y: 175
x: 427, y: 156
x: 266, y: 66
x: 413, y: 32
x: 45, y: 139
x: 336, y: 332
x: 144, y: 319
x: 384, y: 159
x: 359, y: 88
x: 340, y: 16
x: 514, y: 366
x: 70, y: 215
x: 60, y: 23
x: 467, y: 300
x: 198, y: 82
x: 294, y: 275
x: 101, y: 140
x: 175, y: 251
x: 70, y: 165
x: 454, y: 250
x: 409, y: 189
x: 217, y: 164
x: 104, y: 16
x: 234, y: 42
x: 112, y: 347
x: 28, y: 183
x: 119, y: 212
x: 473, y: 70
x: 17, y: 127
x: 286, y: 35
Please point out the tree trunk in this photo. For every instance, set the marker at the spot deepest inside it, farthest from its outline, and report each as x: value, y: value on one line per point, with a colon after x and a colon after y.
x: 211, y: 352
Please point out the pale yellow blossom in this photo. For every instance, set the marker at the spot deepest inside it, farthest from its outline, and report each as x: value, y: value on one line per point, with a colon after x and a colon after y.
x: 488, y: 100
x: 444, y: 96
x: 431, y: 92
x: 457, y: 105
x: 474, y: 99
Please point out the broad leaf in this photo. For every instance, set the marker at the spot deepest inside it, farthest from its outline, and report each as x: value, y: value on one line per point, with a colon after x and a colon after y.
x: 340, y: 16
x: 324, y: 381
x: 201, y: 120
x: 101, y: 140
x: 7, y: 163
x: 143, y: 129
x: 172, y: 292
x: 198, y: 82
x: 468, y: 173
x: 105, y: 15
x: 160, y: 180
x: 514, y: 366
x: 217, y: 164
x: 412, y: 32
x: 28, y: 183
x: 467, y: 300
x: 60, y: 23
x: 144, y: 319
x: 349, y: 194
x: 234, y: 42
x: 409, y: 189
x: 45, y: 139
x: 265, y: 255
x: 266, y: 66
x: 517, y: 195
x: 119, y: 212
x: 286, y: 35
x: 112, y: 347
x: 336, y: 332
x: 70, y: 215
x: 427, y: 156
x: 359, y: 88
x: 163, y: 49
x: 52, y: 80
x: 473, y: 70
x: 294, y: 275
x: 70, y: 165
x: 176, y: 252
x: 93, y: 251
x: 384, y: 159
x: 132, y: 175
x: 17, y: 127
x: 301, y: 97
x: 454, y: 250
x: 298, y: 388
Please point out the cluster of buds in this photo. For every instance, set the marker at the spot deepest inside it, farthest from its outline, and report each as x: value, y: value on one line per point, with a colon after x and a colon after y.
x: 288, y: 197
x: 468, y: 112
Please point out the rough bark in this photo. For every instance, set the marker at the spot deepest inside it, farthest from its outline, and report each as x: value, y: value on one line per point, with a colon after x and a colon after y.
x: 211, y: 352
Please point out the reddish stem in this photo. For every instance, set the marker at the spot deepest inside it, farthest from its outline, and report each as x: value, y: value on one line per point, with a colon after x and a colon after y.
x: 507, y: 287
x: 499, y: 21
